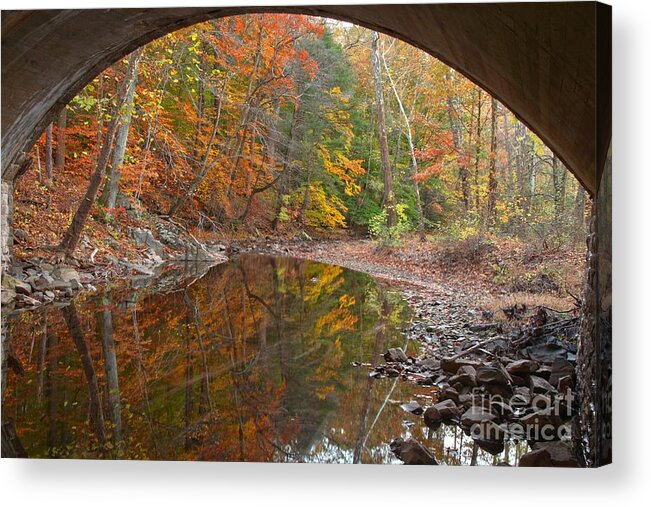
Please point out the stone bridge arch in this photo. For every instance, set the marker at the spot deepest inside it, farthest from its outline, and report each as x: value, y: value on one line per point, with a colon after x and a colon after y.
x: 539, y: 59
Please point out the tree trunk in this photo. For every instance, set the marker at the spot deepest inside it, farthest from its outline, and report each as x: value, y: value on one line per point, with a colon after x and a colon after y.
x: 110, y: 190
x: 412, y: 152
x: 61, y: 139
x: 388, y: 196
x: 49, y: 163
x: 492, y: 176
x: 477, y: 151
x: 458, y: 146
x: 71, y: 237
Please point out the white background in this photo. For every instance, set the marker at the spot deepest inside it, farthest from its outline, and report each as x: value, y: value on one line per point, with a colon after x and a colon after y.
x: 628, y: 481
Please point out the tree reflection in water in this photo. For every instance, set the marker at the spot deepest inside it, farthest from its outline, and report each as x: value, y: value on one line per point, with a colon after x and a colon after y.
x: 252, y: 362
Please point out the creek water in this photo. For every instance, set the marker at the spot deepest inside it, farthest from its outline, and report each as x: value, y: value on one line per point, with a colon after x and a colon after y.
x: 264, y: 358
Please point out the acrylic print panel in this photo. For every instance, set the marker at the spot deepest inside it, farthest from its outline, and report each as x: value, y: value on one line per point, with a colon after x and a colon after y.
x: 278, y: 235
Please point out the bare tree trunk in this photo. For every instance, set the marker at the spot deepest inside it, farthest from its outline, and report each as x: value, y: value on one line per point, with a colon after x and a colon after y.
x: 457, y: 139
x: 61, y: 139
x: 71, y: 237
x: 492, y: 176
x: 110, y: 190
x: 477, y: 150
x: 412, y: 151
x: 388, y: 196
x: 49, y: 163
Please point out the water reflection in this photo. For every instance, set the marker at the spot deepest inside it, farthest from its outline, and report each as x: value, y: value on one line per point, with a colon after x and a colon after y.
x: 252, y: 362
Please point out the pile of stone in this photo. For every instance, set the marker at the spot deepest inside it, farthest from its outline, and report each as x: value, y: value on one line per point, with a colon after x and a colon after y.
x: 495, y: 394
x: 35, y: 284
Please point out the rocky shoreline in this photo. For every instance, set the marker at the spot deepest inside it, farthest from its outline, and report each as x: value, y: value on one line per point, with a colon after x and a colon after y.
x: 39, y: 280
x: 507, y: 375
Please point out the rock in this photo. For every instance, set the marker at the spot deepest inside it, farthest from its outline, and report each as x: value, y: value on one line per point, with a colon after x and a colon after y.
x: 466, y: 375
x: 396, y: 355
x: 477, y: 415
x: 49, y: 294
x: 432, y: 417
x: 18, y: 286
x: 540, y: 385
x: 27, y: 300
x: 491, y: 446
x: 522, y: 366
x: 493, y: 374
x: 40, y: 282
x: 60, y: 285
x: 412, y: 452
x: 546, y: 352
x: 67, y: 274
x: 535, y: 421
x: 449, y: 393
x: 565, y: 383
x: 451, y: 365
x: 8, y: 296
x: 560, y: 453
x: 145, y: 237
x: 501, y: 409
x: 560, y: 368
x: 448, y: 409
x: 413, y: 407
x: 537, y: 458
x: 21, y: 235
x: 524, y: 394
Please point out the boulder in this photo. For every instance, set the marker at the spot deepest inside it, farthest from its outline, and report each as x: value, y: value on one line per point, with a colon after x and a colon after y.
x: 66, y: 274
x: 466, y: 376
x: 446, y: 409
x: 493, y: 374
x: 145, y: 237
x: 524, y: 395
x: 396, y: 355
x: 565, y: 383
x: 523, y: 366
x: 560, y: 368
x: 18, y: 286
x: 477, y: 415
x: 449, y: 393
x: 413, y: 407
x: 451, y: 365
x: 41, y: 281
x: 560, y: 453
x: 491, y: 446
x: 537, y: 458
x: 8, y: 296
x: 412, y: 452
x: 432, y: 417
x: 539, y: 385
x: 21, y: 235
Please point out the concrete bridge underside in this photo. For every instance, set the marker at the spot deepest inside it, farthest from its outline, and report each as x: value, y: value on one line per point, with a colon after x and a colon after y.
x: 540, y: 59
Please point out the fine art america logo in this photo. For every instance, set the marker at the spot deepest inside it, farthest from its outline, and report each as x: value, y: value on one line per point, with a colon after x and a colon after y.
x: 544, y: 423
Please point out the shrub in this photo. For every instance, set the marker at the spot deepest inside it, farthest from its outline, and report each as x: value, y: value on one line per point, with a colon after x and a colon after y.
x: 385, y: 235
